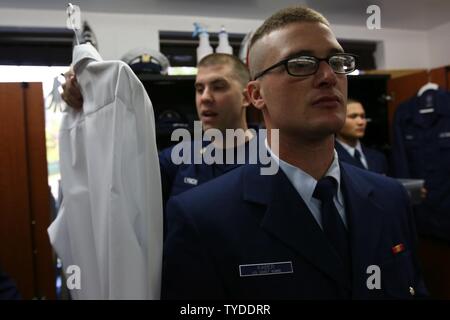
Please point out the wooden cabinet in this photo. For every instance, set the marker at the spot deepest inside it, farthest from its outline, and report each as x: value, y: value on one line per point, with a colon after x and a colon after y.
x: 441, y: 76
x: 25, y: 252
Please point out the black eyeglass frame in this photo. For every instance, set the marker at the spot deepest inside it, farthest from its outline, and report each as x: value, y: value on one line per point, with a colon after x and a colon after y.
x: 285, y: 63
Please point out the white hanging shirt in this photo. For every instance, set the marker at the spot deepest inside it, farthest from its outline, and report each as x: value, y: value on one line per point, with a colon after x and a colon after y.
x: 110, y: 222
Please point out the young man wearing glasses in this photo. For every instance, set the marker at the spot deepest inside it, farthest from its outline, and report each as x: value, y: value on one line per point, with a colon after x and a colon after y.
x: 318, y: 229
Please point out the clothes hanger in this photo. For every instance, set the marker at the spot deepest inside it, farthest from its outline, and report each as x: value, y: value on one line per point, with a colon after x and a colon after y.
x: 427, y: 86
x: 74, y: 20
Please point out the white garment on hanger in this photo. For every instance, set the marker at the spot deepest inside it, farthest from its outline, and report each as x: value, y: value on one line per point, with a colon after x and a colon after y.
x: 110, y: 223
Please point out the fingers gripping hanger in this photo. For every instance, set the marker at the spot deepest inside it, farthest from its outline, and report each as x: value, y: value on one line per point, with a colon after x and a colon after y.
x: 74, y: 20
x: 54, y: 99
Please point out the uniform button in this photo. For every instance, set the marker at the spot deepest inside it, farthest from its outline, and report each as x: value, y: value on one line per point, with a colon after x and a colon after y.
x: 412, y: 291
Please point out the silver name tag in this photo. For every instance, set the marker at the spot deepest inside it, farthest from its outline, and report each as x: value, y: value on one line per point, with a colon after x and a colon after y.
x: 263, y: 269
x: 190, y: 181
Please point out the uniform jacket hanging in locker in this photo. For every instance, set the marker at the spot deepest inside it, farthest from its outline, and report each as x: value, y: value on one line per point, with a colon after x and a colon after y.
x: 422, y: 150
x: 110, y: 223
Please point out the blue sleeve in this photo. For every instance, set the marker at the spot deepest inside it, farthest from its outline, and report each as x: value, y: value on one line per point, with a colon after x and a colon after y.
x: 8, y: 290
x: 384, y: 164
x: 168, y: 172
x: 421, y: 290
x: 399, y: 158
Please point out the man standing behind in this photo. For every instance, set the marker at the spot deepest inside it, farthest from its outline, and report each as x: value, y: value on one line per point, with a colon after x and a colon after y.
x: 348, y: 145
x: 221, y: 100
x: 318, y: 228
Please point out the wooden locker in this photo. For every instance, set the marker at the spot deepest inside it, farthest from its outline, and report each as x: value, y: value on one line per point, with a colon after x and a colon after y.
x: 25, y: 252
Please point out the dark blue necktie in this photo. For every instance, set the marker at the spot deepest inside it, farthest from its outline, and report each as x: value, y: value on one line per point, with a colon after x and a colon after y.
x: 357, y: 157
x: 332, y: 223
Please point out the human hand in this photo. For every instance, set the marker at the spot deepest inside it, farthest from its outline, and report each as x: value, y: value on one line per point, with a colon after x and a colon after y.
x: 423, y: 193
x: 71, y: 91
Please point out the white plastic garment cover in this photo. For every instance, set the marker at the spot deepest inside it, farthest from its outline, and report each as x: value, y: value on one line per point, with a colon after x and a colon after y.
x: 110, y: 222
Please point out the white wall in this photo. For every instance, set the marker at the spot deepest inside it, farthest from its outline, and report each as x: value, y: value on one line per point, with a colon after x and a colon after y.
x: 439, y: 46
x: 118, y: 33
x: 397, y: 49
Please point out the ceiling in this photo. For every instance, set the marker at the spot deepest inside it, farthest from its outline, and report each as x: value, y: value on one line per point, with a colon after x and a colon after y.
x: 400, y: 14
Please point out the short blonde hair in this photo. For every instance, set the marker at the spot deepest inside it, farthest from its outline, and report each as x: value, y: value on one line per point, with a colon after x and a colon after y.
x: 240, y: 70
x: 285, y: 17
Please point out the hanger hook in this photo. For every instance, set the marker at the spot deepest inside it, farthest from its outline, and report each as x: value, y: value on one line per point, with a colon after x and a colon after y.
x: 70, y: 9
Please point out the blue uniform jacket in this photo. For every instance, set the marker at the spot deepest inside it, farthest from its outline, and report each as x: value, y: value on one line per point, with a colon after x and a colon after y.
x: 376, y: 161
x: 421, y: 150
x: 177, y: 178
x: 244, y: 218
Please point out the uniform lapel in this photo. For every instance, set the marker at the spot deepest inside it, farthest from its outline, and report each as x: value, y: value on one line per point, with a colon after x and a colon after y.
x: 371, y: 164
x: 365, y: 218
x: 288, y: 219
x: 345, y: 156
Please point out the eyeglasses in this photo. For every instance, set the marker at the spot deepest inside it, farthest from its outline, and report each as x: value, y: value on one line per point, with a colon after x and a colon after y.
x: 301, y: 66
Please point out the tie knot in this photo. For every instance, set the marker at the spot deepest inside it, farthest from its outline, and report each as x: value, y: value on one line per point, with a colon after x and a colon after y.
x: 357, y: 154
x: 325, y: 189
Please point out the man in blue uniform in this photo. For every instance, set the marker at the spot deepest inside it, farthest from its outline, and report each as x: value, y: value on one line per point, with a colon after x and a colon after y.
x: 221, y: 101
x: 318, y: 228
x: 348, y: 145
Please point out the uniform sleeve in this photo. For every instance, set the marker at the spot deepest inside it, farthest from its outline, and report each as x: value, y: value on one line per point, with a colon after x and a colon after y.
x: 421, y: 291
x: 168, y: 173
x: 400, y: 162
x: 384, y: 164
x: 188, y: 270
x: 8, y: 290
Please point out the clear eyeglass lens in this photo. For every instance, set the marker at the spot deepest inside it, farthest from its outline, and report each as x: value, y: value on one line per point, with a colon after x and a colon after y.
x: 342, y: 63
x: 301, y: 66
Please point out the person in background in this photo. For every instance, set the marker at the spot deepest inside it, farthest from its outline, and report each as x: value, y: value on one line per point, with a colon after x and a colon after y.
x: 348, y: 145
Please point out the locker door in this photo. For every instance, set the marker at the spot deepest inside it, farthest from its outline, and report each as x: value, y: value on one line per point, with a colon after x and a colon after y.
x: 16, y: 250
x: 25, y: 252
